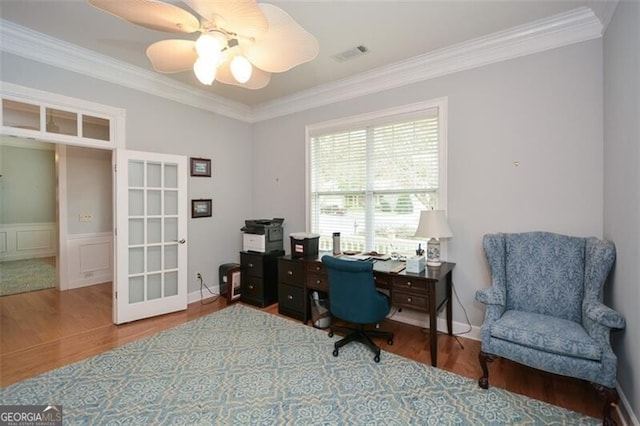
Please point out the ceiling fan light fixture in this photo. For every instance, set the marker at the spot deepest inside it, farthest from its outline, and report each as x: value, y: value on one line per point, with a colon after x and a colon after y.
x: 268, y: 38
x: 241, y: 69
x: 209, y: 45
x: 205, y: 70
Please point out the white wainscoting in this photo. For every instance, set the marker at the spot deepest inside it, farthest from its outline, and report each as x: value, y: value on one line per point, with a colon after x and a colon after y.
x: 27, y: 240
x: 90, y: 259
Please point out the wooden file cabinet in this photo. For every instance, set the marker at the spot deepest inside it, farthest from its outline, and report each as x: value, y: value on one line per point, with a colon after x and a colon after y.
x: 291, y: 275
x: 259, y: 278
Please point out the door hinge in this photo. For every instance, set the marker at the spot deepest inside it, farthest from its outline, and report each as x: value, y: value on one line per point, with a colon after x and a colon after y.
x: 115, y: 231
x: 115, y: 167
x: 116, y: 294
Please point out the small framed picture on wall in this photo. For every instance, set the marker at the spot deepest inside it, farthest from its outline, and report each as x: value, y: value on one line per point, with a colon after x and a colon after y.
x: 201, y: 167
x: 201, y: 208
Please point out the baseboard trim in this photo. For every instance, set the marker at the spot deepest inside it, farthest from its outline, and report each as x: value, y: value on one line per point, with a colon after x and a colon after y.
x: 624, y: 410
x: 421, y: 319
x: 195, y: 296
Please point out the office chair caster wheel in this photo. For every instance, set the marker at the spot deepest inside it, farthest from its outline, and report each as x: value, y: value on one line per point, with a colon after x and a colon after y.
x: 376, y: 358
x: 390, y: 342
x: 335, y: 352
x: 330, y: 333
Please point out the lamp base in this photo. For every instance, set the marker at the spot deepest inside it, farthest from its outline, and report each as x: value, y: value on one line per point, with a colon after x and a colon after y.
x: 433, y: 253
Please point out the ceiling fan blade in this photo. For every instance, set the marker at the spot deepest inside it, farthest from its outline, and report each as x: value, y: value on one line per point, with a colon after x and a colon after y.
x: 242, y: 17
x: 169, y: 56
x: 151, y: 14
x: 284, y: 46
x: 258, y: 80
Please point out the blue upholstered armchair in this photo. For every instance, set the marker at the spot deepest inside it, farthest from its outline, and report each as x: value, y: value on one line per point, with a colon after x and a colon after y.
x: 544, y: 308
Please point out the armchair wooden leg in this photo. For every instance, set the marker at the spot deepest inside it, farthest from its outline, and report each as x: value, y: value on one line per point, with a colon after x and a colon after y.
x: 484, y: 357
x: 611, y: 399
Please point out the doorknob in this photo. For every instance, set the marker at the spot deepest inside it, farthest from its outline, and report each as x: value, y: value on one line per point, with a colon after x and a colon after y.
x: 182, y: 241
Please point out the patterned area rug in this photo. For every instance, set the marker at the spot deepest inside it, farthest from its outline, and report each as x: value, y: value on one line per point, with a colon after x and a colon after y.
x: 243, y: 366
x: 19, y: 276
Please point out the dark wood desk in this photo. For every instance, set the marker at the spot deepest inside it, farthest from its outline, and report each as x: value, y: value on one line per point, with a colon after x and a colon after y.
x: 427, y: 291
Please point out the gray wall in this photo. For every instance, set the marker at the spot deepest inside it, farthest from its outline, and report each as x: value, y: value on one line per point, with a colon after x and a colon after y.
x: 89, y: 190
x: 622, y: 186
x: 543, y: 110
x: 27, y: 171
x: 159, y: 125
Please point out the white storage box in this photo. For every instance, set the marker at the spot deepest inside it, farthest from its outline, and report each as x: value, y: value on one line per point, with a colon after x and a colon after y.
x: 415, y: 264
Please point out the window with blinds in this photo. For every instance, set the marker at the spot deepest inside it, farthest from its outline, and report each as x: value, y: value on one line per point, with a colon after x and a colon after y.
x: 369, y: 179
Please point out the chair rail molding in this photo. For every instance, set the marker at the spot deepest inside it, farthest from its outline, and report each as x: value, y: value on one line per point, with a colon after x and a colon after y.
x: 27, y: 240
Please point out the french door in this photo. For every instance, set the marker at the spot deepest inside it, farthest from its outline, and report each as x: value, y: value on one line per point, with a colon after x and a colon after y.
x: 151, y: 226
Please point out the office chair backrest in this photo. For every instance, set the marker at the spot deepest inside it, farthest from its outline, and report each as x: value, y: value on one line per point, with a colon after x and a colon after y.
x: 352, y: 291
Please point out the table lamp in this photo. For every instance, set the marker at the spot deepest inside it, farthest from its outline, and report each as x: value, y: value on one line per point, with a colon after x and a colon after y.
x: 433, y: 226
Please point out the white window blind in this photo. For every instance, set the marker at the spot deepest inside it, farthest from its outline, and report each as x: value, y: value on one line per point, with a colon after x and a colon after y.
x: 369, y: 180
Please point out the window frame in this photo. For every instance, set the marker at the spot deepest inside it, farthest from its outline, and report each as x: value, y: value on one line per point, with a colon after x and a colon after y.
x: 377, y: 118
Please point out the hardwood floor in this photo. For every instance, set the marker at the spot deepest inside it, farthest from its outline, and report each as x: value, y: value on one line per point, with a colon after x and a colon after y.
x: 44, y: 330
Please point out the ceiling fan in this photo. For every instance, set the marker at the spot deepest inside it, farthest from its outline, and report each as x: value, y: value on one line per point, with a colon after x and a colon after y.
x: 241, y: 42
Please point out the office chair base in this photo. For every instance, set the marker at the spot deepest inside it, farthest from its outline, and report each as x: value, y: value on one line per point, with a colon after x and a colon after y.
x: 363, y: 336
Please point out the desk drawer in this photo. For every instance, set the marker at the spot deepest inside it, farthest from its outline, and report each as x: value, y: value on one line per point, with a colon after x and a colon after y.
x: 411, y: 301
x: 291, y: 298
x: 316, y: 268
x: 410, y: 284
x: 382, y: 280
x: 291, y: 272
x: 318, y: 282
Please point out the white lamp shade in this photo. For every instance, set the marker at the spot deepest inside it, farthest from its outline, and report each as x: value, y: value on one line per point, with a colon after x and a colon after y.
x: 205, y: 71
x: 433, y: 224
x: 241, y: 69
x: 209, y: 45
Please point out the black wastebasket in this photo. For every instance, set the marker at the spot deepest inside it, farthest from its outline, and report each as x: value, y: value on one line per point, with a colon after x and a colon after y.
x: 223, y: 271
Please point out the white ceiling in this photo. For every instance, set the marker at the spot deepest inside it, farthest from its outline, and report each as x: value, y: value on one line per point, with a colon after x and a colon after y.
x: 393, y: 31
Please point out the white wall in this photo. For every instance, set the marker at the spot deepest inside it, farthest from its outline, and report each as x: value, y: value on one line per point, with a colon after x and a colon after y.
x: 89, y: 190
x: 543, y: 110
x: 27, y: 171
x: 27, y: 223
x: 159, y: 125
x: 622, y: 186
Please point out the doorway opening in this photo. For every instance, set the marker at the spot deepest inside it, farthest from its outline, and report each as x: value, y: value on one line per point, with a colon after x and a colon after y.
x: 28, y: 218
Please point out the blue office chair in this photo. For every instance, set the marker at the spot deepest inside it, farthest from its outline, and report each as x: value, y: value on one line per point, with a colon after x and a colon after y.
x: 353, y: 298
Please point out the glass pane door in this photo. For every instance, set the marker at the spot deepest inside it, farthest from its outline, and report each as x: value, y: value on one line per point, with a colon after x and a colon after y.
x: 151, y: 230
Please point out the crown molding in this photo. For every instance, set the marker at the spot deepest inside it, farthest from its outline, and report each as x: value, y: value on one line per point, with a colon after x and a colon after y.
x: 577, y: 25
x: 574, y: 26
x: 604, y: 10
x: 24, y: 42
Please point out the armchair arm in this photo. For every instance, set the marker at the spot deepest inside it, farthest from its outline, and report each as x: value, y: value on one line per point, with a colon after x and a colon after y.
x: 490, y: 296
x: 603, y: 315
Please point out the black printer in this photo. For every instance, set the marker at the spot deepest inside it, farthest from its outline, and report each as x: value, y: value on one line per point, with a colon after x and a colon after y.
x: 262, y: 235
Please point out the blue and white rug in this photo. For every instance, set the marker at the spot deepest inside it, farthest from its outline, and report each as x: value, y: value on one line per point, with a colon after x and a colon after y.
x: 244, y: 366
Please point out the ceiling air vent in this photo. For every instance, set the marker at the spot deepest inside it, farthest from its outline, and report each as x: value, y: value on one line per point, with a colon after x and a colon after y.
x: 350, y: 54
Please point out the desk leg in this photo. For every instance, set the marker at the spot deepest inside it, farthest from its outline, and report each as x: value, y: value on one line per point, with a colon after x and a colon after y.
x: 305, y: 301
x: 433, y: 328
x: 449, y: 303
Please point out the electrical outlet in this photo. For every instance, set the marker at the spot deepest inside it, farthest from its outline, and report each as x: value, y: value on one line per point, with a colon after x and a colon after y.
x: 86, y: 217
x: 198, y: 276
